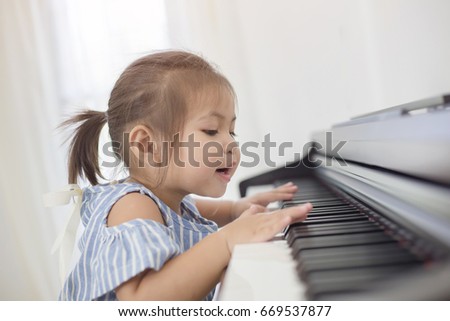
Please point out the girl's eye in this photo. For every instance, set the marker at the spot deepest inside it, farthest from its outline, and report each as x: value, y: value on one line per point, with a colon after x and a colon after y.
x: 210, y: 132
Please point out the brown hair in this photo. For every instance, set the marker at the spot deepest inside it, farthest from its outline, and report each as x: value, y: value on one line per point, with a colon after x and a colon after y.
x: 154, y: 91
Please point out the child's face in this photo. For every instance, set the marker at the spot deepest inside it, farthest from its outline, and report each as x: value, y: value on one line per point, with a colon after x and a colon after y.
x: 209, y: 154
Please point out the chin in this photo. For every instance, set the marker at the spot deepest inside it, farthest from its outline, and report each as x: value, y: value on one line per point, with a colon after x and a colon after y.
x: 213, y: 194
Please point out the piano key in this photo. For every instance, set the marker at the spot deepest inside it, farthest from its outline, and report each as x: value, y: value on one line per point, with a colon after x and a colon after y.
x: 327, y: 226
x: 325, y: 229
x: 327, y: 211
x: 361, y: 260
x: 327, y: 283
x: 330, y: 233
x: 334, y: 219
x: 314, y: 193
x: 330, y: 216
x: 335, y: 209
x: 349, y: 250
x: 339, y: 240
x: 342, y: 231
x: 311, y: 199
x: 316, y: 204
x: 248, y: 276
x: 362, y: 273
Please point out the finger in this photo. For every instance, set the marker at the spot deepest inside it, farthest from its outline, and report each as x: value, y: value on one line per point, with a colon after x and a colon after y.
x: 286, y: 188
x: 285, y: 196
x: 302, y: 212
x: 254, y: 209
x: 276, y: 196
x: 296, y: 212
x: 291, y: 190
x: 280, y: 224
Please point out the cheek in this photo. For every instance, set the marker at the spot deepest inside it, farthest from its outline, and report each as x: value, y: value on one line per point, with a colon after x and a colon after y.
x: 190, y: 150
x: 191, y: 156
x: 213, y: 153
x: 194, y: 160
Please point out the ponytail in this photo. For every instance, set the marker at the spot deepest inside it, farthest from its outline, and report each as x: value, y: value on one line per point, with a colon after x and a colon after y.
x: 83, y: 149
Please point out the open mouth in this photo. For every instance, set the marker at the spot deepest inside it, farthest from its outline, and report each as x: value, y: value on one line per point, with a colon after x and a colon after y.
x: 223, y: 170
x: 224, y: 173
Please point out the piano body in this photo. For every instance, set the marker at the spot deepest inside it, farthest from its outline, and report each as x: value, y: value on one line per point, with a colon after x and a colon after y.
x: 380, y: 226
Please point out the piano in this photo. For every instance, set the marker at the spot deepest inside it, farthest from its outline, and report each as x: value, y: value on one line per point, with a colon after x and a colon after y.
x: 380, y: 226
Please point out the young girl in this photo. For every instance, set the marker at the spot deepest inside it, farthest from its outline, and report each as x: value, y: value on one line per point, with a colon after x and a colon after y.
x: 171, y: 118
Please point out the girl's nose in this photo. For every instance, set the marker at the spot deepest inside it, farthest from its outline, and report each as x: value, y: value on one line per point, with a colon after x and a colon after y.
x: 231, y: 147
x: 233, y: 154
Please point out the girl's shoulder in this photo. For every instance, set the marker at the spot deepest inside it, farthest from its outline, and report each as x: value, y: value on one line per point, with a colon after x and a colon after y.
x: 134, y: 206
x: 99, y: 199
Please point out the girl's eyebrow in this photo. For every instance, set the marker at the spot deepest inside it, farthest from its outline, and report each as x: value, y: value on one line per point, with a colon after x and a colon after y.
x: 218, y: 115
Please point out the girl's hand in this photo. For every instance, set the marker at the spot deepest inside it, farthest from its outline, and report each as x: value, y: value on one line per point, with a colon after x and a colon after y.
x: 281, y: 193
x: 256, y: 225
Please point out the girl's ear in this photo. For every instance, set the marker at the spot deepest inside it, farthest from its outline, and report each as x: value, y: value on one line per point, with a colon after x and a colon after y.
x: 141, y: 143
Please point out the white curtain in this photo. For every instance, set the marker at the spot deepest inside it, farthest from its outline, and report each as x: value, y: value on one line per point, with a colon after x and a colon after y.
x: 56, y: 56
x: 30, y: 162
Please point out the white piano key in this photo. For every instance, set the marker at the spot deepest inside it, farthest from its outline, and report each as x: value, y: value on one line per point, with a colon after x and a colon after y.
x: 262, y: 272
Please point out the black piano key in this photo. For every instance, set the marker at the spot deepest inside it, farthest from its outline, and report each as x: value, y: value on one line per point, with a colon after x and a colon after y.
x: 311, y: 199
x: 331, y: 223
x: 333, y: 212
x: 323, y: 284
x: 339, y: 240
x: 319, y: 205
x: 325, y: 226
x: 362, y: 273
x: 314, y: 195
x: 362, y: 260
x: 330, y: 228
x: 333, y: 219
x: 330, y: 216
x: 349, y: 250
x: 329, y: 208
x: 342, y: 231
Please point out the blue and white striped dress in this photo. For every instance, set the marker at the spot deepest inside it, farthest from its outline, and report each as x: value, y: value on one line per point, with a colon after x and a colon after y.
x: 112, y: 255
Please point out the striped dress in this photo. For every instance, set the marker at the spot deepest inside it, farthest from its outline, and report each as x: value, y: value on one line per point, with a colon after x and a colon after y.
x: 112, y: 255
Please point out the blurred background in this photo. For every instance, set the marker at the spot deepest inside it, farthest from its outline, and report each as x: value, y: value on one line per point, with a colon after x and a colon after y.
x: 297, y: 66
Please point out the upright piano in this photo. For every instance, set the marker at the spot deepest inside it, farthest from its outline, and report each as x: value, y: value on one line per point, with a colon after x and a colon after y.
x: 380, y: 226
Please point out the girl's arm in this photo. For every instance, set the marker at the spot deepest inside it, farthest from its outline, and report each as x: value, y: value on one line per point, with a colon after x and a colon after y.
x: 194, y: 273
x: 224, y: 212
x: 189, y: 276
x: 221, y: 212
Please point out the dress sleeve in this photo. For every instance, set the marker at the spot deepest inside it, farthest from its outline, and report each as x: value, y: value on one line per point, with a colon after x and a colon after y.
x: 129, y: 249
